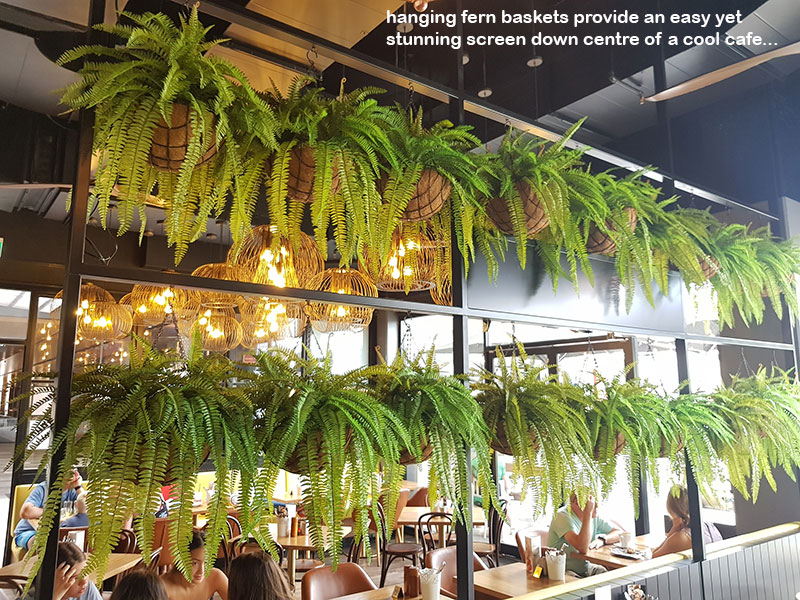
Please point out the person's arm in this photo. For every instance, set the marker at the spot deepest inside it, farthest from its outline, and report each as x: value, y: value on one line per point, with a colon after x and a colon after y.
x: 677, y: 542
x: 219, y: 583
x: 581, y: 540
x: 29, y: 511
x: 608, y: 533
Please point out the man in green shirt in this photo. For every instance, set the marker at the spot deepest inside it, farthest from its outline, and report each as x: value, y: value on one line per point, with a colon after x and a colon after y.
x: 581, y: 529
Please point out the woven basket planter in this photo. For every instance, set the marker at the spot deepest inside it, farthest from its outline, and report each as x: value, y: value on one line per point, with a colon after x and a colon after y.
x: 429, y: 197
x: 664, y: 450
x: 171, y: 140
x: 535, y: 218
x: 407, y: 458
x: 600, y: 243
x: 293, y: 462
x: 619, y: 445
x: 302, y: 167
x: 710, y: 266
x: 499, y: 442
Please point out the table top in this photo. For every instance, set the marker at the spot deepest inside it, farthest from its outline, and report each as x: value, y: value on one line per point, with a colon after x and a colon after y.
x: 117, y: 563
x: 510, y: 581
x: 384, y: 593
x: 602, y: 556
x: 410, y: 515
x: 408, y: 485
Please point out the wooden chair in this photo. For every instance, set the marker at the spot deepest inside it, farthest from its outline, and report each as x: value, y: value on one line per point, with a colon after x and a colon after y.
x: 321, y: 583
x: 491, y: 550
x: 15, y: 583
x: 434, y: 560
x: 155, y: 565
x: 429, y: 532
x: 419, y: 498
x: 127, y: 543
x: 390, y: 551
x: 234, y: 531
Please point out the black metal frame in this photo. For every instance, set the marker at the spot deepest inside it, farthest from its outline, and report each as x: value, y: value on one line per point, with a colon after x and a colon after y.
x: 76, y: 270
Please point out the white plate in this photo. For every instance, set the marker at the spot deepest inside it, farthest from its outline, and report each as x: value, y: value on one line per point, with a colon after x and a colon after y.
x: 620, y: 551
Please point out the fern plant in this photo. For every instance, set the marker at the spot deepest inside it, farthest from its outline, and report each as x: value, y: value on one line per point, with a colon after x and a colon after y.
x: 134, y: 85
x: 348, y: 138
x: 521, y: 159
x: 763, y: 412
x: 629, y: 417
x: 336, y: 432
x: 136, y: 427
x: 442, y: 148
x: 539, y: 420
x: 680, y: 239
x: 780, y: 264
x: 439, y: 413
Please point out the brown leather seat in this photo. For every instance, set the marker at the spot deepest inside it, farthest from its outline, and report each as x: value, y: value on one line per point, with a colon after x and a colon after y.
x: 321, y: 583
x: 434, y: 560
x: 419, y: 498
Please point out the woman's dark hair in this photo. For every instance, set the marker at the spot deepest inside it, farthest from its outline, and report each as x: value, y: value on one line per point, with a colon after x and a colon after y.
x: 69, y: 553
x: 255, y: 576
x: 140, y: 585
x: 198, y: 540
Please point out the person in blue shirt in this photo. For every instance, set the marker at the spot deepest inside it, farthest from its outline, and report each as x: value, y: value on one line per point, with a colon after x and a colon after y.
x: 70, y: 582
x: 581, y: 529
x: 34, y: 507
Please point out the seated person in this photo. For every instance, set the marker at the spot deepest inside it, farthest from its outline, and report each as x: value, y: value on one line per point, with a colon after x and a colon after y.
x: 679, y: 537
x: 202, y: 586
x: 255, y: 576
x: 80, y: 518
x: 69, y: 582
x: 34, y: 507
x: 581, y: 529
x: 140, y: 585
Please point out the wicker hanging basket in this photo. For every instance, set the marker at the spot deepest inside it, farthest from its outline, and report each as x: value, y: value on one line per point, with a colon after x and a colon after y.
x: 710, y: 266
x: 171, y: 140
x: 407, y: 458
x: 432, y: 191
x: 598, y: 242
x: 535, y: 217
x: 499, y: 442
x: 302, y: 167
x: 619, y: 445
x: 664, y: 451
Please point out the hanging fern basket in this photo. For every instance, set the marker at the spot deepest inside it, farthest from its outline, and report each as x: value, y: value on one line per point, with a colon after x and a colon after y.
x: 171, y: 140
x: 598, y: 242
x: 710, y: 266
x: 499, y: 442
x: 302, y: 167
x: 432, y: 191
x: 294, y: 462
x: 619, y: 445
x: 535, y: 217
x: 665, y: 451
x: 408, y: 458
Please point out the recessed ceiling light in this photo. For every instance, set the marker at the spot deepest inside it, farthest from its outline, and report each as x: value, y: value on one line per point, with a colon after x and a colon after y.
x: 535, y: 61
x: 465, y: 58
x: 148, y: 233
x: 405, y: 27
x: 484, y: 92
x: 211, y: 236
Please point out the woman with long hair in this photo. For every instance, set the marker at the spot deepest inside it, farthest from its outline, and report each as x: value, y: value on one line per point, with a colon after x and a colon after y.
x: 140, y: 585
x: 679, y: 537
x: 255, y: 576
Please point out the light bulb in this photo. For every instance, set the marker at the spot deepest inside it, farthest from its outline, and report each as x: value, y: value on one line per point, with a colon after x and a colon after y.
x: 340, y: 311
x: 85, y: 304
x: 395, y: 273
x: 87, y: 319
x: 142, y: 309
x: 408, y: 271
x: 43, y: 348
x: 273, y: 327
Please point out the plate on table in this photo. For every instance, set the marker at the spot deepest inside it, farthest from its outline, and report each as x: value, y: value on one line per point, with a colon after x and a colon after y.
x: 621, y: 552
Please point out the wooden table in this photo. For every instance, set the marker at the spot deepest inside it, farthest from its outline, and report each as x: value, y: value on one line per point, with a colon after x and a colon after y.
x: 602, y: 556
x: 409, y: 485
x: 510, y: 581
x: 384, y: 593
x: 117, y: 563
x: 293, y: 543
x: 410, y: 517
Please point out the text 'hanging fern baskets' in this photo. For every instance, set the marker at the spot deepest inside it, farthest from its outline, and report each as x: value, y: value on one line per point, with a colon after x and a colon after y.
x: 599, y: 242
x: 171, y: 140
x: 534, y: 214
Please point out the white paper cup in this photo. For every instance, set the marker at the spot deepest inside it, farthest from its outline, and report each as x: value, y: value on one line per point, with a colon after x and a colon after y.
x: 556, y: 566
x: 626, y: 539
x: 430, y: 584
x: 284, y: 525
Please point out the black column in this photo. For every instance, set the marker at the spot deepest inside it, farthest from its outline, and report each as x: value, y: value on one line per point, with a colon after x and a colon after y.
x: 642, y: 523
x: 65, y: 357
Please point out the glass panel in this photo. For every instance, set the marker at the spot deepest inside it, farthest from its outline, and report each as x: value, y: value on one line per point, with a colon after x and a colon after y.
x: 11, y: 357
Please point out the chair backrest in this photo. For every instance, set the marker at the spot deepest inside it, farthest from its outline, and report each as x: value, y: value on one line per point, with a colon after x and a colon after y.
x: 321, y: 583
x: 428, y: 531
x: 419, y: 498
x: 234, y: 527
x: 434, y: 560
x: 16, y: 583
x: 402, y: 501
x: 77, y: 535
x: 496, y: 522
x: 381, y: 534
x: 21, y: 493
x: 127, y: 543
x: 155, y: 562
x: 161, y: 539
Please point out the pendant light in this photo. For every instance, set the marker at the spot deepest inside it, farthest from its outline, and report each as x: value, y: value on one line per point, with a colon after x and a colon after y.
x: 485, y: 91
x: 327, y: 317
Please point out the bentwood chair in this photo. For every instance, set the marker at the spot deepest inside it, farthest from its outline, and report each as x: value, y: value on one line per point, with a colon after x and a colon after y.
x: 434, y: 560
x: 491, y: 550
x: 429, y: 527
x: 322, y: 583
x: 393, y: 550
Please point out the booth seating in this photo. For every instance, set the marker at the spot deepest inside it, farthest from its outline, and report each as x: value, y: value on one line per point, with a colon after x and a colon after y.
x: 21, y: 493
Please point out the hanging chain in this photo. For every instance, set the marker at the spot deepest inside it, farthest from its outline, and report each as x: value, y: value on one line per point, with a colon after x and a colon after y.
x: 311, y: 55
x: 410, y: 103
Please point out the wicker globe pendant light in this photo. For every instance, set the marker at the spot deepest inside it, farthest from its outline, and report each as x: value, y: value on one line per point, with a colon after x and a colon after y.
x: 152, y: 304
x: 328, y: 318
x: 216, y: 300
x: 409, y: 267
x: 218, y: 328
x: 267, y: 320
x: 100, y: 318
